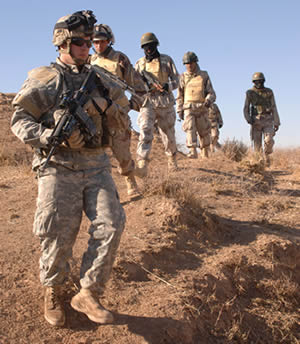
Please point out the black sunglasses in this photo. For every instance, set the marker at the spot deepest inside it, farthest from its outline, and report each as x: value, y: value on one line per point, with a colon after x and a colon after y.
x: 81, y: 41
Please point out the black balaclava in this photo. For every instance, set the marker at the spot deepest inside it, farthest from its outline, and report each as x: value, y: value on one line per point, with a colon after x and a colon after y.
x: 151, y: 51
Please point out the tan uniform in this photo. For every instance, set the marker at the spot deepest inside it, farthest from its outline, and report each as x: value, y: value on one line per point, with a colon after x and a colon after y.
x: 216, y: 121
x: 75, y: 180
x: 193, y: 90
x: 158, y: 107
x: 118, y: 64
x: 261, y: 112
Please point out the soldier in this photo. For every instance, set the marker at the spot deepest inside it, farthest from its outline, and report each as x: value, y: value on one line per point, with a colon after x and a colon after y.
x: 119, y: 64
x: 216, y: 123
x: 77, y: 177
x: 261, y: 113
x: 161, y: 77
x: 195, y: 95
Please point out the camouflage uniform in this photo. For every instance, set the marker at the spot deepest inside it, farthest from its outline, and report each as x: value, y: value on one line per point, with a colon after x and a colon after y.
x: 75, y: 180
x: 118, y: 64
x: 158, y: 107
x: 194, y: 89
x: 261, y: 112
x: 216, y: 122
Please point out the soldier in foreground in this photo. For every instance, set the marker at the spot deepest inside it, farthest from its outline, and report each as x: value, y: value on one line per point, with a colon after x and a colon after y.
x: 161, y: 77
x: 64, y: 104
x: 261, y: 113
x: 216, y: 122
x: 119, y: 64
x: 195, y: 96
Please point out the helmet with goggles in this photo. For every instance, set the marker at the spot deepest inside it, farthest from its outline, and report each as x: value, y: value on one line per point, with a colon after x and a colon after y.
x: 77, y: 25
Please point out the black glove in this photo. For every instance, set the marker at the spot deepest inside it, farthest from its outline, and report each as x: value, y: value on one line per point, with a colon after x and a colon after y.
x: 166, y: 87
x: 220, y: 125
x: 181, y: 115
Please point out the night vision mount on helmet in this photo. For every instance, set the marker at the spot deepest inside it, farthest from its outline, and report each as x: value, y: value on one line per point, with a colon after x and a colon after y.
x: 78, y: 24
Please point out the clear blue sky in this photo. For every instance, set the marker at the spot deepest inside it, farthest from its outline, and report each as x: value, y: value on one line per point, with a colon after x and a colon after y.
x: 232, y: 38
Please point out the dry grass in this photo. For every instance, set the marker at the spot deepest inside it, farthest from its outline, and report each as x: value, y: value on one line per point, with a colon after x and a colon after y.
x: 234, y: 150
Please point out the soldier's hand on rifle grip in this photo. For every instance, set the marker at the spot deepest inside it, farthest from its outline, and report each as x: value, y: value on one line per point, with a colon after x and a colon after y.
x: 158, y: 87
x: 76, y: 140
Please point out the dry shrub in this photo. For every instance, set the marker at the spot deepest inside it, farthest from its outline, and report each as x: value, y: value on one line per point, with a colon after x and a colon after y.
x: 170, y: 186
x: 234, y: 150
x: 253, y: 162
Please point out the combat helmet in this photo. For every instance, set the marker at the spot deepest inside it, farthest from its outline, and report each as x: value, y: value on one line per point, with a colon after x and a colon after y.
x: 258, y: 76
x: 103, y: 32
x: 189, y: 57
x: 78, y: 24
x: 149, y: 37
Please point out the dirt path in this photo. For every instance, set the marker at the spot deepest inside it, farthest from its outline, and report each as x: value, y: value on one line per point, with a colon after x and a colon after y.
x: 210, y: 254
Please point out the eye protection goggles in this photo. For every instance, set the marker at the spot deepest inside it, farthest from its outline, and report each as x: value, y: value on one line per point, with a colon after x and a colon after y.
x: 81, y: 41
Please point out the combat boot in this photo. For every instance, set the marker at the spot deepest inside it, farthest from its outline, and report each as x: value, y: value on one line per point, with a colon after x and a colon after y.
x: 172, y: 163
x: 193, y: 153
x: 141, y: 169
x: 132, y: 188
x: 53, y: 309
x: 86, y: 302
x: 204, y: 152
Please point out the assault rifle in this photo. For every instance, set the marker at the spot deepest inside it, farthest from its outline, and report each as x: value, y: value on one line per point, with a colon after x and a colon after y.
x: 121, y: 83
x: 74, y: 116
x: 150, y: 81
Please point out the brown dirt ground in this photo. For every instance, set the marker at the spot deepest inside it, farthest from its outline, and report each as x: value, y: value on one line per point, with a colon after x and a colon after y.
x: 210, y: 254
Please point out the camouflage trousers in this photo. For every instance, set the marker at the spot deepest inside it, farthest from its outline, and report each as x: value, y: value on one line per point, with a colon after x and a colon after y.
x: 263, y: 129
x: 165, y: 119
x: 63, y: 195
x: 196, y: 123
x: 121, y: 150
x: 214, y: 134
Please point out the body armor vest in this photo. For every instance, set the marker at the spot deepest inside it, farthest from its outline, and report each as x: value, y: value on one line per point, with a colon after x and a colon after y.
x: 261, y: 100
x: 194, y: 91
x: 114, y: 68
x: 154, y: 68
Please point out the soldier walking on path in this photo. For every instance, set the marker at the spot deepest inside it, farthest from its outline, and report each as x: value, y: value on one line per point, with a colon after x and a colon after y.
x: 119, y: 65
x: 161, y: 77
x: 194, y: 97
x: 261, y: 113
x: 63, y: 106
